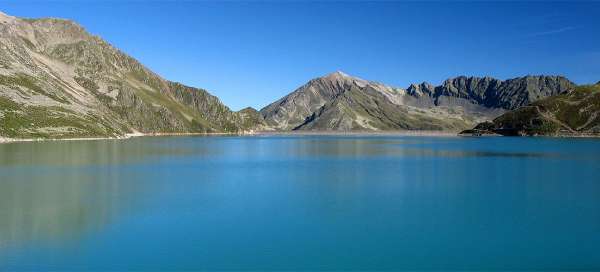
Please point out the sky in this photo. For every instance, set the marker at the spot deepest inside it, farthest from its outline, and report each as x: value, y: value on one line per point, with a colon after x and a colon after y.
x: 251, y: 53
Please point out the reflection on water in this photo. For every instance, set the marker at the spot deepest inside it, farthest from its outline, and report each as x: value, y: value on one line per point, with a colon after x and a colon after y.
x: 49, y: 206
x: 300, y: 202
x: 58, y: 190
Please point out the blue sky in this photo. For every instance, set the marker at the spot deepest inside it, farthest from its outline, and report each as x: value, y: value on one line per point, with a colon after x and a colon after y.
x: 252, y: 53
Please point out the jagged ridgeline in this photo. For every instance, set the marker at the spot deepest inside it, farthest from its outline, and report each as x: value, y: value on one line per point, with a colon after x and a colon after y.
x: 59, y: 81
x: 341, y: 102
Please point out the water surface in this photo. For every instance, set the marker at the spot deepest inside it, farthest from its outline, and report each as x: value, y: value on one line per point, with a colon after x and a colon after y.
x: 301, y: 203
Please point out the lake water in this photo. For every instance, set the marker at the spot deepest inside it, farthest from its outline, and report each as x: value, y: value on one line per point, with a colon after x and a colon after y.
x: 301, y: 203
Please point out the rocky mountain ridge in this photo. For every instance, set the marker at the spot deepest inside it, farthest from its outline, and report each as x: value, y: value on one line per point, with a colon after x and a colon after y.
x: 341, y: 102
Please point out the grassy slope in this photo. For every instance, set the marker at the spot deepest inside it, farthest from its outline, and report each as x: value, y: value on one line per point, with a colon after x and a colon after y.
x: 573, y: 113
x: 19, y: 121
x: 144, y: 102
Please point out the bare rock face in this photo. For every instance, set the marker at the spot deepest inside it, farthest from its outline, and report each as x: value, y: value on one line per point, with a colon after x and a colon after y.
x: 508, y: 94
x: 341, y: 102
x: 57, y: 80
x: 423, y: 89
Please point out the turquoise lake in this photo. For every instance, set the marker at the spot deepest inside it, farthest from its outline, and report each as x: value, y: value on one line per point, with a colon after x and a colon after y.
x: 301, y: 203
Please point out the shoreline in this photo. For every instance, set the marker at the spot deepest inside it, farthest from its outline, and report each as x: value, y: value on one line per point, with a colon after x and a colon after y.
x: 408, y: 133
x: 4, y: 140
x: 432, y: 133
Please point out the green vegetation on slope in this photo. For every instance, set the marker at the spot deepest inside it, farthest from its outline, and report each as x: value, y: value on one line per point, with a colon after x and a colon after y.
x: 27, y: 81
x: 64, y: 82
x: 20, y: 121
x: 573, y: 113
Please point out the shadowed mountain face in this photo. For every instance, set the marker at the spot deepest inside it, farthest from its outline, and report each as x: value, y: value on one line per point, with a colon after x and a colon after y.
x: 576, y: 113
x: 57, y: 80
x: 341, y: 102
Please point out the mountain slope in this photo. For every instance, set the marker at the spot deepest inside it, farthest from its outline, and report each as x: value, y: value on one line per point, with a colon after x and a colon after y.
x: 369, y: 109
x: 575, y: 113
x: 57, y: 80
x: 341, y: 102
x: 292, y: 110
x: 493, y: 93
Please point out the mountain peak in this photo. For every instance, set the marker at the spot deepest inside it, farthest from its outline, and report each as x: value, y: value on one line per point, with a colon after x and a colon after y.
x: 338, y: 75
x: 341, y: 77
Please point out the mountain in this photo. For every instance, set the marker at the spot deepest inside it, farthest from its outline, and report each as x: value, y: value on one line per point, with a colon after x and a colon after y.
x: 252, y: 120
x: 342, y: 102
x: 575, y: 113
x: 59, y: 81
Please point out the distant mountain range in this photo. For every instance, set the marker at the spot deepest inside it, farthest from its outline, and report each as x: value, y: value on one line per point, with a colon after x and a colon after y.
x: 59, y: 81
x: 341, y: 102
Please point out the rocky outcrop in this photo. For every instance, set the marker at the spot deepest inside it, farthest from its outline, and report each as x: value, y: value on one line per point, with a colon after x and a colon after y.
x: 494, y: 93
